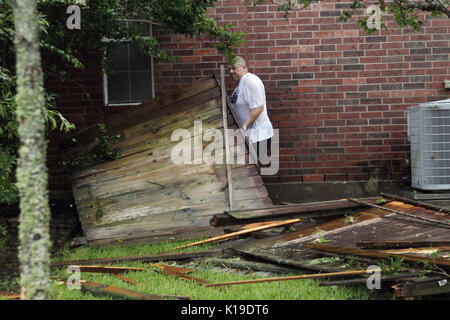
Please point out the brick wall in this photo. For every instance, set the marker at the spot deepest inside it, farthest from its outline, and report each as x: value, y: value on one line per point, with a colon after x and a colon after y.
x: 338, y: 96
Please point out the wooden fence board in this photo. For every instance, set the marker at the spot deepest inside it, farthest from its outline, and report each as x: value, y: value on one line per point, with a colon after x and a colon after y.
x: 142, y: 192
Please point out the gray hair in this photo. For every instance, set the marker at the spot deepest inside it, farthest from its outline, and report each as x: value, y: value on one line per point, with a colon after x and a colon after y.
x: 240, y: 61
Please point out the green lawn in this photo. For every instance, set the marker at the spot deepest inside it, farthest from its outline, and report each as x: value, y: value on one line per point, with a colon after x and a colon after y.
x: 157, y: 283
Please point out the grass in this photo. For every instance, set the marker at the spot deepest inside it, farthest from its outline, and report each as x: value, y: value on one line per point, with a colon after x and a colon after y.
x: 157, y: 283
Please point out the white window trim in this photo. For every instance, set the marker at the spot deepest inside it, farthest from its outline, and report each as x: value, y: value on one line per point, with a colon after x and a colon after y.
x: 105, y: 76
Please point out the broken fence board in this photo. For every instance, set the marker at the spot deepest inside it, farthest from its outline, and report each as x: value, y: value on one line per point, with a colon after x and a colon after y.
x: 399, y: 244
x: 320, y: 209
x: 135, y: 115
x: 421, y: 287
x: 108, y: 269
x: 254, y: 266
x: 296, y: 208
x: 144, y: 258
x: 8, y: 295
x: 416, y: 203
x: 377, y: 254
x: 239, y: 233
x: 436, y: 222
x: 306, y: 276
x: 107, y: 290
x: 143, y: 183
x: 121, y: 277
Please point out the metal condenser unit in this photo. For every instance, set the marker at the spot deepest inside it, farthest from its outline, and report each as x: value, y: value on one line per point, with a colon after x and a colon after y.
x: 429, y: 134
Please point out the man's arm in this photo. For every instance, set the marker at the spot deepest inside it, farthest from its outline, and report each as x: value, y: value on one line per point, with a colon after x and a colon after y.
x: 254, y: 114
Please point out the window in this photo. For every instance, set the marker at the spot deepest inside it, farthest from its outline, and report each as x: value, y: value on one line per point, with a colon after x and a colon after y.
x: 130, y: 79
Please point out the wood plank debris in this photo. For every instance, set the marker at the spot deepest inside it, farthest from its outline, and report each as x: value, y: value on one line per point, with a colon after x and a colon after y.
x: 306, y: 276
x: 107, y: 290
x: 416, y: 203
x: 254, y: 266
x: 398, y: 244
x: 227, y: 143
x: 377, y: 254
x: 108, y: 269
x: 179, y: 273
x: 240, y: 233
x: 413, y: 287
x: 145, y: 258
x: 309, y: 210
x: 380, y: 232
x: 172, y: 269
x: 328, y: 245
x: 362, y: 280
x: 9, y: 295
x: 441, y: 223
x: 126, y: 279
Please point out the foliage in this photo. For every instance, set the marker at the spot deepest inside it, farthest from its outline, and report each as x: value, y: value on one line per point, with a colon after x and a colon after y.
x: 101, y: 152
x: 405, y: 12
x: 128, y: 19
x: 9, y: 140
x: 112, y: 19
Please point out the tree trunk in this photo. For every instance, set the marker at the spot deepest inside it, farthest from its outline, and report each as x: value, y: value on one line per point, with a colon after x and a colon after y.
x: 34, y: 250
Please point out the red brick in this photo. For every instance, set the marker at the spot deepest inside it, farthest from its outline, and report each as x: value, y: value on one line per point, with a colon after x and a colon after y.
x: 313, y: 177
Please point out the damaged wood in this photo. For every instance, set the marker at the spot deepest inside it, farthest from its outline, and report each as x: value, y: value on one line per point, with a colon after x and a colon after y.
x: 145, y: 258
x: 416, y: 203
x: 254, y: 266
x: 239, y: 233
x: 179, y: 273
x: 144, y: 190
x: 9, y: 295
x: 440, y: 223
x: 422, y: 287
x: 306, y: 276
x: 225, y: 134
x: 384, y: 279
x: 377, y: 254
x: 309, y: 210
x: 112, y: 270
x: 398, y: 244
x: 172, y: 269
x: 121, y: 277
x: 107, y: 290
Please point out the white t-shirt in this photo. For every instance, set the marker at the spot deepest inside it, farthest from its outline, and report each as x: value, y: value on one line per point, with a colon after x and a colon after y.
x: 251, y: 94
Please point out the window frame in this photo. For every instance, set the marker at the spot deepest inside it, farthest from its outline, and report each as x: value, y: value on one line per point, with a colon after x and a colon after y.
x: 105, y: 75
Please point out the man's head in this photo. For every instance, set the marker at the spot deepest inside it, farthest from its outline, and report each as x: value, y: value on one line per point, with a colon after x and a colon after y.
x: 239, y: 68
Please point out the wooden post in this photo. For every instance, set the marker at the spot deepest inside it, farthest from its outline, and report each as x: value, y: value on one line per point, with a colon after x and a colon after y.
x: 225, y: 133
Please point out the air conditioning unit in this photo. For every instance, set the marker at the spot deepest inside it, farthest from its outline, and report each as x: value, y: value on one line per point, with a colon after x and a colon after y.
x: 429, y: 134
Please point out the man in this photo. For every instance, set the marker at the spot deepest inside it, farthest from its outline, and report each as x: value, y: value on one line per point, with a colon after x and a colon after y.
x: 249, y: 100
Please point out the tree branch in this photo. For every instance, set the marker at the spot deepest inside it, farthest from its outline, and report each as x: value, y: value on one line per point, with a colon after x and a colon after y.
x: 427, y: 5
